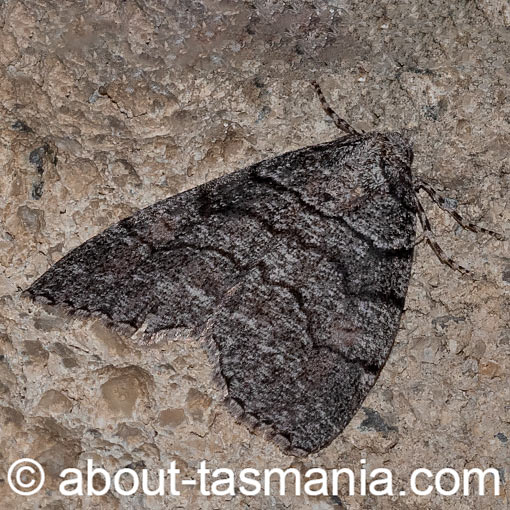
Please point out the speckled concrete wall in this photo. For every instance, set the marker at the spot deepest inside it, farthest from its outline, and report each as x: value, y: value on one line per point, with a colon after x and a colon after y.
x: 108, y: 106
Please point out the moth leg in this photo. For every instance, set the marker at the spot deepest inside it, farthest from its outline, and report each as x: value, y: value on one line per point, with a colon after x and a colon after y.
x: 441, y: 202
x: 420, y: 239
x: 339, y: 123
x: 429, y: 237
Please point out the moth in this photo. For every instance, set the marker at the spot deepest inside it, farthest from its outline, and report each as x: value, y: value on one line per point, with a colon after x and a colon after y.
x: 292, y: 271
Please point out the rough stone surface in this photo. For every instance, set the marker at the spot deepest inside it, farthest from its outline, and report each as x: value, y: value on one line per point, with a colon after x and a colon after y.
x: 107, y: 107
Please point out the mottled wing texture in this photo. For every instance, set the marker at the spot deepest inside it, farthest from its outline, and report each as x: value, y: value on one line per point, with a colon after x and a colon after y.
x: 302, y: 338
x: 294, y: 270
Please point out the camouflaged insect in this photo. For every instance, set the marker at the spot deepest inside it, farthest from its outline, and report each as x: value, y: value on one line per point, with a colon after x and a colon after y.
x: 294, y: 271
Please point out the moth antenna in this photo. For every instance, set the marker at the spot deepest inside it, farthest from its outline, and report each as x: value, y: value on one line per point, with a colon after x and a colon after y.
x: 441, y: 202
x: 428, y: 235
x: 339, y: 123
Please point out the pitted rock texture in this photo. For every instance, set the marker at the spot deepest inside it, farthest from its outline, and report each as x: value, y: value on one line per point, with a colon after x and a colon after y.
x: 107, y: 107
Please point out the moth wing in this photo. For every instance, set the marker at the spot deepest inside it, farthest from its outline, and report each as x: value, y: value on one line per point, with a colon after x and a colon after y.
x: 301, y: 340
x: 166, y: 267
x: 299, y: 300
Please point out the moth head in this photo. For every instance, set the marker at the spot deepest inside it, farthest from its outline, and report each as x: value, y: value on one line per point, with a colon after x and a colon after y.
x: 402, y: 147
